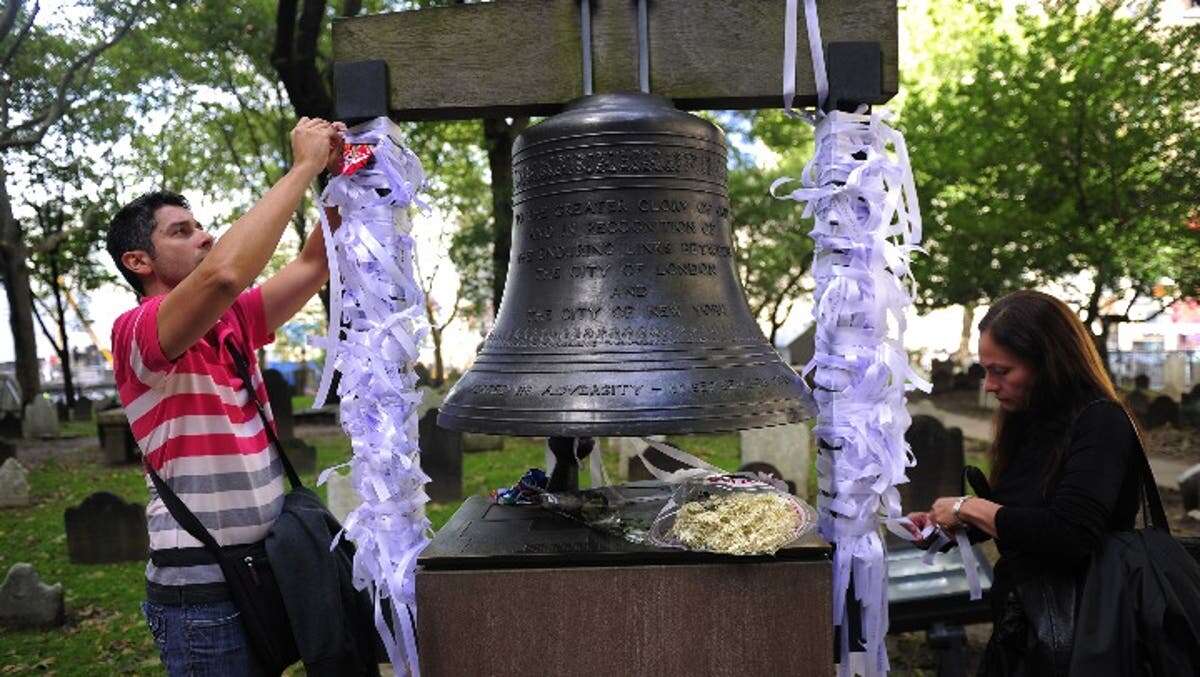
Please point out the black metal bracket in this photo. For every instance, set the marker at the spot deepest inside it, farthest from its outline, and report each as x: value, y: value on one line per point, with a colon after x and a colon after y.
x: 855, y: 72
x: 360, y: 90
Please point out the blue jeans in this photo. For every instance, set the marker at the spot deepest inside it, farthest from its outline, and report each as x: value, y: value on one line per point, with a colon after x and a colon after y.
x: 199, y: 640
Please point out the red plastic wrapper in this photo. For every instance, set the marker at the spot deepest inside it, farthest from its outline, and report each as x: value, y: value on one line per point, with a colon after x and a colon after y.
x: 355, y: 157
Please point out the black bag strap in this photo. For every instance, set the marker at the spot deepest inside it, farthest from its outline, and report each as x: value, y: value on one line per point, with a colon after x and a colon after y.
x: 243, y: 368
x: 1151, y: 500
x: 182, y: 514
x: 178, y: 509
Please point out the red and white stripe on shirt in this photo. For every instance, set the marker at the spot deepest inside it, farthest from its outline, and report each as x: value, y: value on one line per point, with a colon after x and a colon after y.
x: 198, y: 428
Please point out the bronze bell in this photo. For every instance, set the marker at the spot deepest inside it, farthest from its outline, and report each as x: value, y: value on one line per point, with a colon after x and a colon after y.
x: 622, y: 312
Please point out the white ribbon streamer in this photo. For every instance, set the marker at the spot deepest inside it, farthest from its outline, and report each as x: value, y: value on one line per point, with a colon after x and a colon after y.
x: 376, y: 327
x: 858, y: 188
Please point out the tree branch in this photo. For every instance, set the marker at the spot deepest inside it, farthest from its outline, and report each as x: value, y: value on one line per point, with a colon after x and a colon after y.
x: 12, y: 49
x: 9, y: 18
x: 37, y: 126
x: 42, y: 323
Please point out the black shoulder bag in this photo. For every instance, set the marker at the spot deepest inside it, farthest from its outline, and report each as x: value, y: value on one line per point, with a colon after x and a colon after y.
x: 248, y: 573
x: 1139, y: 610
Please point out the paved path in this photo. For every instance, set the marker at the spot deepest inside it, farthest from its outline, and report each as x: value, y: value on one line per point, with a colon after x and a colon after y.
x: 1166, y: 470
x: 972, y: 427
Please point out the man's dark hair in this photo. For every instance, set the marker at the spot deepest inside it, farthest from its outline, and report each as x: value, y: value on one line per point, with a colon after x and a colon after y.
x: 130, y: 229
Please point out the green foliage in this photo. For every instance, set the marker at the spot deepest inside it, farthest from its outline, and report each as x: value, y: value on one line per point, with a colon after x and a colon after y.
x: 1073, y: 146
x: 773, y: 249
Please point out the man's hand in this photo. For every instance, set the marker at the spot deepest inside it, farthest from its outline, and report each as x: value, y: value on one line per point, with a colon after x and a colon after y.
x: 334, y: 165
x: 313, y: 140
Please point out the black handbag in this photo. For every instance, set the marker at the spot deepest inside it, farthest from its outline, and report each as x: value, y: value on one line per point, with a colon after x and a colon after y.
x: 1135, y: 610
x: 246, y: 568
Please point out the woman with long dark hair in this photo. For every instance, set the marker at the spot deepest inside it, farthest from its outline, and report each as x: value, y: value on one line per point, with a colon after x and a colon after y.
x: 1065, y: 472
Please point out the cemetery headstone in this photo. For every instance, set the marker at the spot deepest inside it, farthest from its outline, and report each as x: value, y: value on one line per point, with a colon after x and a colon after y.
x: 7, y: 450
x: 1189, y: 487
x: 1162, y: 411
x: 26, y: 602
x: 431, y: 398
x: 441, y: 459
x: 1175, y: 369
x: 768, y: 469
x: 302, y: 455
x: 117, y: 444
x: 104, y: 528
x: 1139, y: 404
x: 63, y: 411
x: 10, y: 425
x: 279, y: 394
x: 638, y: 470
x: 975, y: 376
x: 786, y: 447
x: 939, y: 469
x: 1189, y: 410
x: 14, y: 484
x: 40, y: 420
x: 84, y: 408
x: 627, y: 448
x: 941, y: 373
x: 343, y: 498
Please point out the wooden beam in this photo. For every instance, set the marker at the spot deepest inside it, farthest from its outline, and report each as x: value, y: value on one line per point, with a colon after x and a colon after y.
x: 524, y: 57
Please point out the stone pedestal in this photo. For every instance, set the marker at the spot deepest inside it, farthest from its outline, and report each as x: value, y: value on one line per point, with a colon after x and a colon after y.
x: 597, y: 605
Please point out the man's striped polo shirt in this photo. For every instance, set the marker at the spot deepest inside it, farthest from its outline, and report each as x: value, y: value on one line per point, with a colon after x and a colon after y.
x: 198, y: 428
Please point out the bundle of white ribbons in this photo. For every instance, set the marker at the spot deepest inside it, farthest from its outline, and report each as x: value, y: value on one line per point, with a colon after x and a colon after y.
x: 376, y: 327
x: 858, y: 188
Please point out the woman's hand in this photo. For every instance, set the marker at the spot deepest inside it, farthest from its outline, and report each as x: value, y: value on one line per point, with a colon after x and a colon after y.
x: 919, y: 520
x: 942, y: 513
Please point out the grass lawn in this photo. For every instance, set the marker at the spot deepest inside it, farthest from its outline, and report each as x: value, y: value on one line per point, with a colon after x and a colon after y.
x: 105, y: 632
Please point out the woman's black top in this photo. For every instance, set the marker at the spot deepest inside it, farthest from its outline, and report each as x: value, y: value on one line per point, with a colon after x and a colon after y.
x: 1095, y: 491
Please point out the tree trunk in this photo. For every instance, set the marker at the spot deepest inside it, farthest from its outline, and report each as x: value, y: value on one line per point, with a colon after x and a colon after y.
x: 498, y: 137
x: 439, y: 366
x: 963, y: 355
x: 15, y: 273
x: 64, y: 355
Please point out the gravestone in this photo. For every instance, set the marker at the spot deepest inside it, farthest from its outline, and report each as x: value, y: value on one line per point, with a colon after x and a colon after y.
x: 7, y: 450
x: 637, y: 466
x: 1162, y: 411
x: 939, y: 469
x: 786, y: 447
x: 431, y: 398
x: 629, y: 467
x: 441, y: 459
x: 1189, y: 410
x: 104, y: 528
x: 975, y: 375
x: 302, y: 455
x: 40, y: 420
x: 1189, y: 487
x: 768, y: 469
x: 63, y: 411
x: 343, y: 498
x: 26, y: 602
x: 84, y: 408
x: 14, y: 484
x: 941, y: 374
x: 117, y: 445
x: 279, y: 394
x: 1139, y: 404
x: 10, y: 425
x: 1175, y: 368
